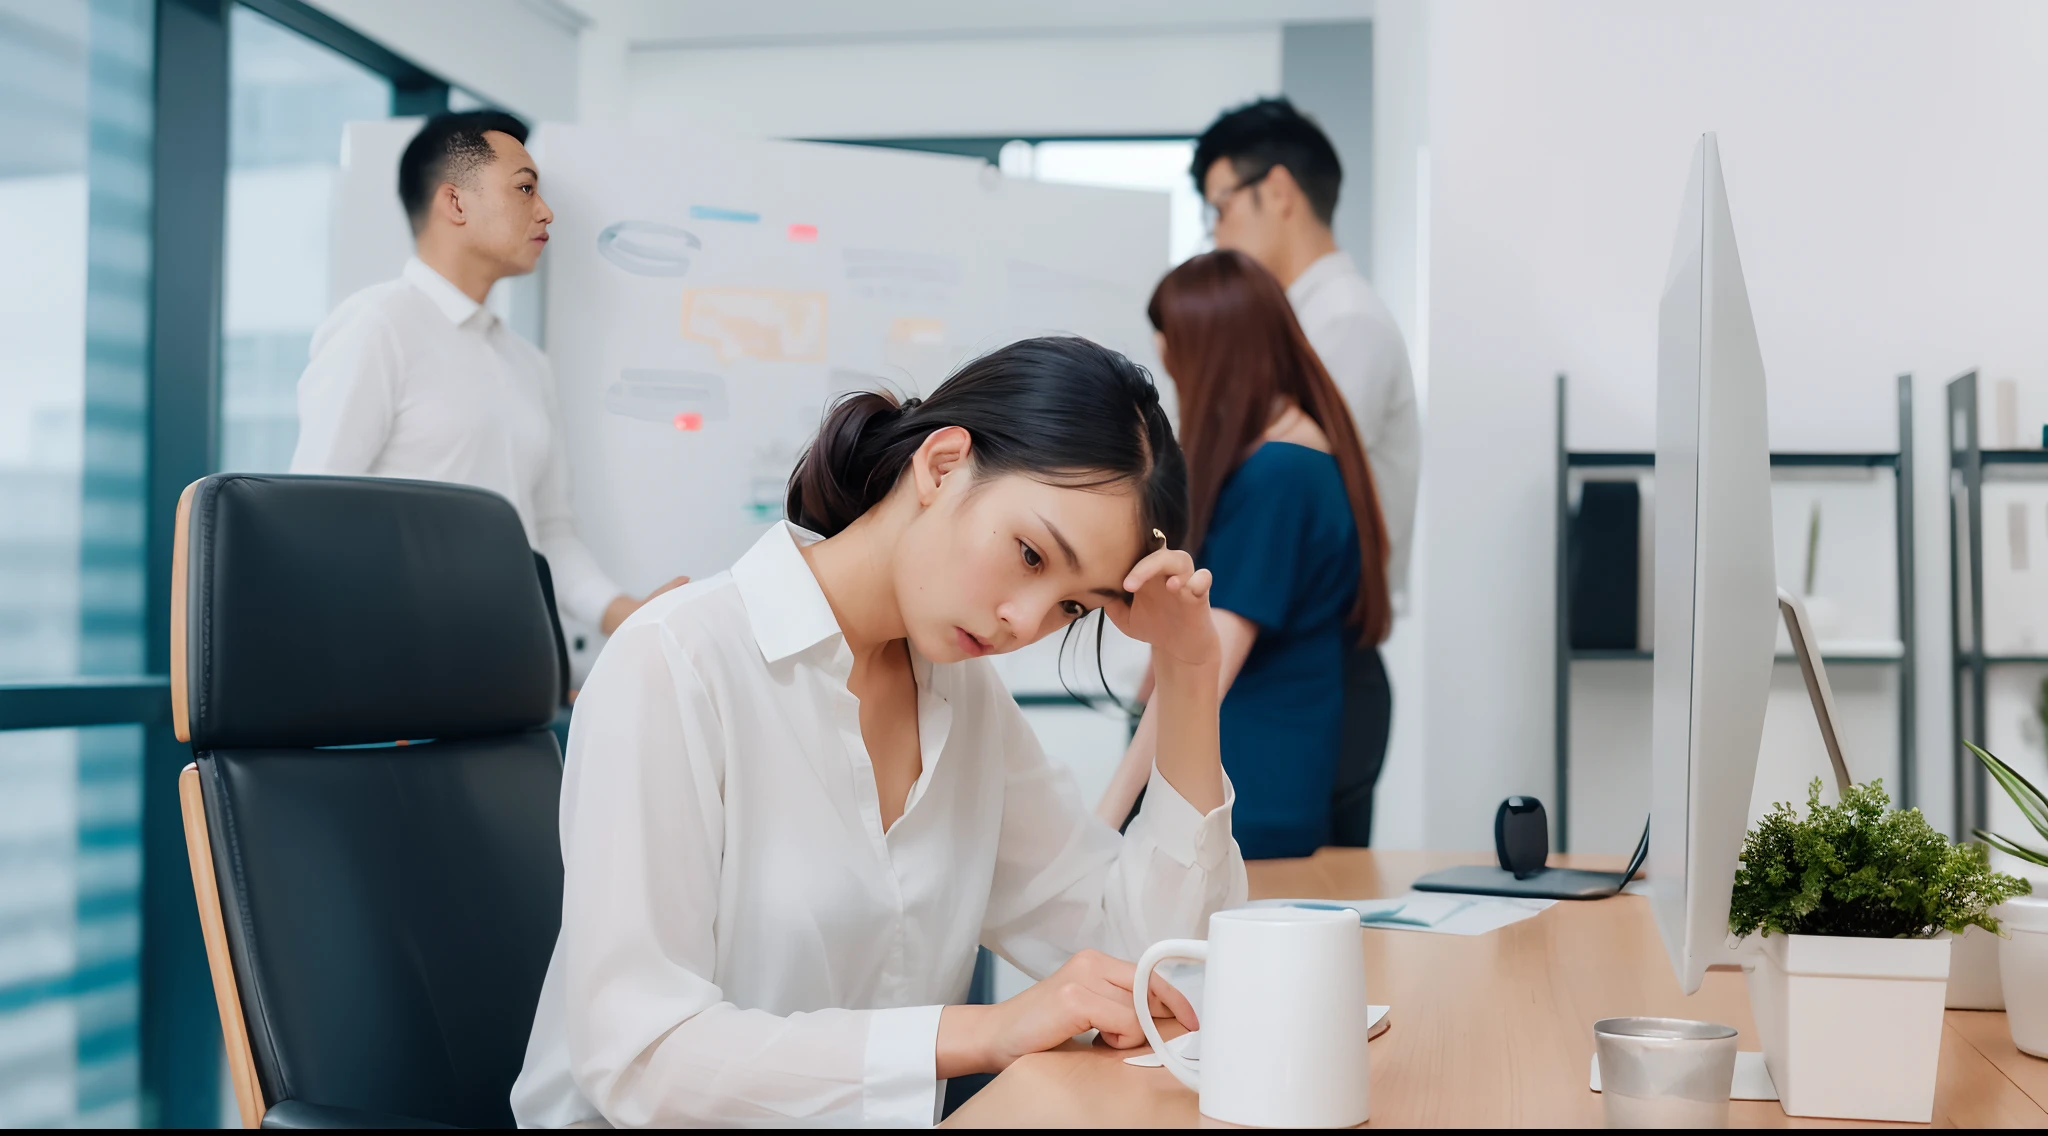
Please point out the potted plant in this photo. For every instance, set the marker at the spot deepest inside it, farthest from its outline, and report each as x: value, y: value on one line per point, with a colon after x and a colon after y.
x: 2023, y: 955
x: 1849, y: 984
x: 1973, y: 969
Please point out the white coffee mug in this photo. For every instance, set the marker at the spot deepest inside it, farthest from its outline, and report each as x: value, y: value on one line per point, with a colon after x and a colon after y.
x: 1284, y: 1017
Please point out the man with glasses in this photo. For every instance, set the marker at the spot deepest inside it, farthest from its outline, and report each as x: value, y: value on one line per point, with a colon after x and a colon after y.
x: 1269, y: 179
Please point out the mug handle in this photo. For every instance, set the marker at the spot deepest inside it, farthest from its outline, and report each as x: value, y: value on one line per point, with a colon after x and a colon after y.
x: 1193, y: 950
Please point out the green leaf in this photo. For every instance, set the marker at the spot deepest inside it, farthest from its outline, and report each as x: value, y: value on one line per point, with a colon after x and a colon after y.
x: 1861, y: 868
x: 2032, y: 804
x: 2011, y: 848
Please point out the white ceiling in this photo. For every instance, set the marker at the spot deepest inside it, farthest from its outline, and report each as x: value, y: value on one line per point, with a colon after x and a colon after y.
x: 724, y: 23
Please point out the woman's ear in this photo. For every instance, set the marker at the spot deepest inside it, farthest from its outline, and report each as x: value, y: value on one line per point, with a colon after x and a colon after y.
x: 943, y: 453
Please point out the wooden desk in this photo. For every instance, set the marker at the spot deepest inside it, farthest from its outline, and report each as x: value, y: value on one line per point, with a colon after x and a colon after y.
x: 1496, y: 1029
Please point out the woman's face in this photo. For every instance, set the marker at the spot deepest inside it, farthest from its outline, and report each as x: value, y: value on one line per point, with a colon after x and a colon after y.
x: 991, y: 564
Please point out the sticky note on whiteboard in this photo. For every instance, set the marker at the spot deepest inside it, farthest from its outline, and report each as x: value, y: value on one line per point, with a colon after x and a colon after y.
x: 719, y: 213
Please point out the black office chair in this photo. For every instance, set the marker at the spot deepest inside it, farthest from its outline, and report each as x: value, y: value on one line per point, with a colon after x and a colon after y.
x: 378, y: 919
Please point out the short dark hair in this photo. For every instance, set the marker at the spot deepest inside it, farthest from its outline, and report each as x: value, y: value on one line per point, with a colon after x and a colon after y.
x: 450, y: 147
x: 1270, y: 132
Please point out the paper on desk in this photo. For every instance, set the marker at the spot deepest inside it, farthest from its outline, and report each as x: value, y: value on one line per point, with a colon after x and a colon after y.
x: 1433, y: 913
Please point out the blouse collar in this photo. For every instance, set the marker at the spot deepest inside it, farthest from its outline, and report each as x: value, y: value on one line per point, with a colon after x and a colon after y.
x: 786, y: 607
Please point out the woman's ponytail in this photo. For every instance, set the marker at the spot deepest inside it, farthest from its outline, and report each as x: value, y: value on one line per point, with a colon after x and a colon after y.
x: 1060, y: 409
x: 842, y: 475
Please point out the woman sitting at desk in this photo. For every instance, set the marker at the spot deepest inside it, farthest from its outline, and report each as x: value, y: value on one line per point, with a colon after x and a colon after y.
x: 796, y: 798
x: 1282, y: 510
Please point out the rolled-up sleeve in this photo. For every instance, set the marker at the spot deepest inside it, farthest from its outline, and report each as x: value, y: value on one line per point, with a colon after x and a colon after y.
x: 652, y: 1040
x: 1065, y: 881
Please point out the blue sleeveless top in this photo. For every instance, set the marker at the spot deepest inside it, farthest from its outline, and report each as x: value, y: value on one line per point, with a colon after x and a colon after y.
x: 1283, y: 546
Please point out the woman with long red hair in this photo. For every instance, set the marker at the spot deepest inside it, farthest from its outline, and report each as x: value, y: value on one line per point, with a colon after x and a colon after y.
x: 1283, y: 512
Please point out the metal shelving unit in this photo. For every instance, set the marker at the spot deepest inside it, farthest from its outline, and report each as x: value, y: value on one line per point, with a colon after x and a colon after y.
x: 1900, y: 655
x: 1967, y: 464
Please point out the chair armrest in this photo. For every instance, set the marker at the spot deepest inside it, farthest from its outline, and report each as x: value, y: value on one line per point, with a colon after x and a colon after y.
x: 300, y: 1114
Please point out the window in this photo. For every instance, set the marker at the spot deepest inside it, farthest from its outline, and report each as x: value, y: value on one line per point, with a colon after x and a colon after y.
x: 74, y: 289
x: 1119, y: 164
x: 75, y: 120
x: 1159, y: 164
x: 70, y: 926
x: 109, y: 370
x: 288, y: 100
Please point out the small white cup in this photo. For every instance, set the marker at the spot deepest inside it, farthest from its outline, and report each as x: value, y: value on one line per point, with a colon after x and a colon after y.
x: 1284, y: 1017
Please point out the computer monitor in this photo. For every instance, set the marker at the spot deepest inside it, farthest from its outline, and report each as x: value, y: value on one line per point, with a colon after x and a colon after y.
x: 1716, y: 598
x: 1715, y: 584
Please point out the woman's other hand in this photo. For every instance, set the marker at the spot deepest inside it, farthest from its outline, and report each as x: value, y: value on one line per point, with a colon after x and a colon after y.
x: 1169, y: 609
x: 1092, y: 991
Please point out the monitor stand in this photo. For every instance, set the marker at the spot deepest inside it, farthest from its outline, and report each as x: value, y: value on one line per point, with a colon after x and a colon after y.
x: 1573, y: 883
x: 1806, y: 649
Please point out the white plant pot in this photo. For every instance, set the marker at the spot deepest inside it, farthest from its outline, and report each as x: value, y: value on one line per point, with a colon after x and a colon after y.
x: 2023, y: 966
x: 1973, y: 971
x: 1851, y: 1027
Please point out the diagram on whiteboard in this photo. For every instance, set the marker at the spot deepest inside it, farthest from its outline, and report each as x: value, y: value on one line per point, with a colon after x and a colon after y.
x: 770, y: 324
x: 768, y: 478
x: 684, y: 399
x: 648, y: 248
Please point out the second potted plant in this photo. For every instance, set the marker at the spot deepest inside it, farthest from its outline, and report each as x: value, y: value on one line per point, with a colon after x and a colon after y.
x: 1849, y: 985
x: 2023, y: 956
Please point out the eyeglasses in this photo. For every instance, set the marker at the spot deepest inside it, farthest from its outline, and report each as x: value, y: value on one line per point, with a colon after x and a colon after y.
x: 1212, y: 211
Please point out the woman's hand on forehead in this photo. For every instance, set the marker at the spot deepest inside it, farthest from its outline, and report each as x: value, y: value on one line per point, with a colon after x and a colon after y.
x: 1169, y: 608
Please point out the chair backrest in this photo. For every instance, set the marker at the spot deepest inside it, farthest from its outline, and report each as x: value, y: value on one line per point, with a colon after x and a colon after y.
x: 547, y: 593
x: 389, y: 909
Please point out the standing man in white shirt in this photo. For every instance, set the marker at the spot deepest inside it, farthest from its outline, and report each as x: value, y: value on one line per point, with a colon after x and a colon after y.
x: 416, y: 378
x: 1269, y: 178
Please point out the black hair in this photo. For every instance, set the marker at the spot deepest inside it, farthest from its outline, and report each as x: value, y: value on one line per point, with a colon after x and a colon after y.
x: 450, y: 147
x: 1059, y: 409
x: 1270, y: 132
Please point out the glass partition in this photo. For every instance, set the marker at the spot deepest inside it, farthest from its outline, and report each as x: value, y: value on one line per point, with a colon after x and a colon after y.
x: 75, y: 121
x: 288, y: 99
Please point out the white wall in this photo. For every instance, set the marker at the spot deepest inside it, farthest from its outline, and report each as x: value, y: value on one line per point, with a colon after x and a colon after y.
x: 1399, y: 271
x: 1885, y: 181
x: 519, y: 54
x: 707, y: 23
x: 1102, y: 83
x: 1326, y: 70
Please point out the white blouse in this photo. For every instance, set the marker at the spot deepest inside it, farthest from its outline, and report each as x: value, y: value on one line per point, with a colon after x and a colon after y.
x: 741, y: 941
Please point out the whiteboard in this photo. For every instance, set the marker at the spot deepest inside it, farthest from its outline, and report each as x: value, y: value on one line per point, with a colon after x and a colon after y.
x: 705, y: 296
